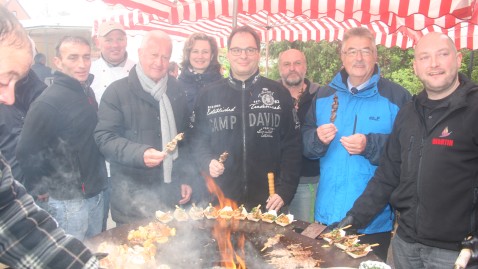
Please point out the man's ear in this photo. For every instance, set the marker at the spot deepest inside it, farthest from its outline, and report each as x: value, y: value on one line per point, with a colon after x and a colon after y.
x: 57, y: 62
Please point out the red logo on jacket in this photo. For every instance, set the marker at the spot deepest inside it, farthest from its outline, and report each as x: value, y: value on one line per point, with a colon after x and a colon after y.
x: 441, y: 141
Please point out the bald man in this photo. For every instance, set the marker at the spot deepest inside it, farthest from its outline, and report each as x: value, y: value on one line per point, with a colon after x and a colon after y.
x: 429, y: 170
x: 138, y: 116
x: 292, y: 70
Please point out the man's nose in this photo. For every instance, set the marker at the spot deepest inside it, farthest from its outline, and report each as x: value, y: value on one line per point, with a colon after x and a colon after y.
x: 7, y: 94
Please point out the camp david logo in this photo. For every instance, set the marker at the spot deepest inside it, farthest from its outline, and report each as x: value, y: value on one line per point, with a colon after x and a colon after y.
x: 267, y: 97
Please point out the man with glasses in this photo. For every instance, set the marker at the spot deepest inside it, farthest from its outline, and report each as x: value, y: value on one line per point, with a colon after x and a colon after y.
x: 346, y: 127
x: 253, y: 119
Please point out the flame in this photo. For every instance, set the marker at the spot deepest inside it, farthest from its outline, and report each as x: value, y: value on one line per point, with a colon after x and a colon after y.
x: 222, y: 231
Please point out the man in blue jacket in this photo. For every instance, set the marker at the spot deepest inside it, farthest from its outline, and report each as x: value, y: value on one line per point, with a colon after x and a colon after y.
x: 429, y: 169
x: 346, y: 127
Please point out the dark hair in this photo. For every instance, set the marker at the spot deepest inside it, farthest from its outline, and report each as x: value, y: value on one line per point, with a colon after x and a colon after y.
x: 39, y: 58
x: 214, y: 65
x: 244, y: 29
x: 11, y: 31
x: 172, y: 66
x: 70, y: 39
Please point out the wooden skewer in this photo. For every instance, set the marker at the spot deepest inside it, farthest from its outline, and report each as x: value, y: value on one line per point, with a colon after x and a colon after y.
x: 346, y: 227
x: 374, y: 245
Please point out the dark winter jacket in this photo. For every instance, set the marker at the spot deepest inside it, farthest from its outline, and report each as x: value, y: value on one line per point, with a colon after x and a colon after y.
x: 129, y: 124
x: 430, y: 176
x: 254, y: 122
x: 57, y: 150
x: 12, y: 118
x: 192, y: 83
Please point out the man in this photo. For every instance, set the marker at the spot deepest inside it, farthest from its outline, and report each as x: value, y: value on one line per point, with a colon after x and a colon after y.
x: 292, y: 70
x: 429, y: 169
x: 138, y: 116
x: 252, y: 118
x: 112, y: 65
x: 57, y: 151
x: 34, y: 241
x: 173, y: 69
x: 39, y: 67
x: 346, y: 127
x: 12, y: 117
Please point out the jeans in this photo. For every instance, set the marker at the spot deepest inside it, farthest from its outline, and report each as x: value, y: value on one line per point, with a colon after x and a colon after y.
x: 82, y: 218
x: 302, y: 206
x: 106, y: 200
x: 418, y: 256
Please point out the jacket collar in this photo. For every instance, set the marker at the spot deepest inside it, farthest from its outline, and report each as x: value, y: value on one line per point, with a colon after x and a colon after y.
x: 66, y: 81
x: 135, y: 86
x: 339, y: 82
x: 244, y: 85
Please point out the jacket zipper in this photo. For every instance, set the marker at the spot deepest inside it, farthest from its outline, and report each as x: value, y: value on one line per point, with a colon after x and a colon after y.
x: 420, y: 154
x: 244, y: 148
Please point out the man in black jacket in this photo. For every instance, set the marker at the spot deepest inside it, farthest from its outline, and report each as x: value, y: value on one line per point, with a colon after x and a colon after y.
x: 138, y: 116
x: 12, y: 118
x: 57, y: 151
x: 253, y: 119
x: 429, y: 170
x: 292, y: 69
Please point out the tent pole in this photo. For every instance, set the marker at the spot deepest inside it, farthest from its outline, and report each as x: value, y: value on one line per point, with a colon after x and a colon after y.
x: 268, y: 28
x: 234, y: 13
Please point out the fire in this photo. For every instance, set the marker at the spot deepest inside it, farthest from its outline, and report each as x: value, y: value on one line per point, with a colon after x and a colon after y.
x: 222, y: 231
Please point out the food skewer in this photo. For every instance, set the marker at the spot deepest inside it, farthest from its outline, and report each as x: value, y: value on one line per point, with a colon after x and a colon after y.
x: 223, y: 157
x: 335, y: 106
x: 272, y: 241
x: 171, y: 146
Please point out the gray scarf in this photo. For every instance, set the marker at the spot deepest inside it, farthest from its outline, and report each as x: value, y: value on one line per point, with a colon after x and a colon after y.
x: 168, y: 124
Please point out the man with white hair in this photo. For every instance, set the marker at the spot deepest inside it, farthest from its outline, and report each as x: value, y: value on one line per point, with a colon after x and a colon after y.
x: 138, y: 116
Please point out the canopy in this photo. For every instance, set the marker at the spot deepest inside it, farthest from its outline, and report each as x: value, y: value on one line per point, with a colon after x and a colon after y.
x: 395, y: 23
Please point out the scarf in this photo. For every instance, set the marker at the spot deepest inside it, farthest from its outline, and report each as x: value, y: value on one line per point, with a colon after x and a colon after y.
x: 168, y: 124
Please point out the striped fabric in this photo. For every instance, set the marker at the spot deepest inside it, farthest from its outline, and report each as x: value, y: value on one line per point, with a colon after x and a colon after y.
x: 395, y: 23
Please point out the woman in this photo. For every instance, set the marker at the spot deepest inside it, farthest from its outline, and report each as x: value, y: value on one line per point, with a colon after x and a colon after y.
x: 200, y: 65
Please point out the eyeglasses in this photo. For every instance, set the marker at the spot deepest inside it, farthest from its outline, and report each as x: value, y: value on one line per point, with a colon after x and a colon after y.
x: 238, y: 51
x: 354, y: 52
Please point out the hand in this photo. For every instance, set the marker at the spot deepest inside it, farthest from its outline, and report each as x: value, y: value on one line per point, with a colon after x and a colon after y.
x: 216, y: 168
x: 186, y: 192
x: 354, y: 144
x: 348, y: 220
x: 326, y: 133
x: 275, y: 202
x: 153, y: 157
x: 471, y: 243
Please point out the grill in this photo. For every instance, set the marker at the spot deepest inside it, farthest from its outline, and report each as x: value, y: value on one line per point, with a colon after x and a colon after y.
x: 194, y: 247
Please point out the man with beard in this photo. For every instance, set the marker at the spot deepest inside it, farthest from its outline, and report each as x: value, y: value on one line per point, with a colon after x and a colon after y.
x: 429, y: 169
x: 347, y: 127
x: 292, y: 69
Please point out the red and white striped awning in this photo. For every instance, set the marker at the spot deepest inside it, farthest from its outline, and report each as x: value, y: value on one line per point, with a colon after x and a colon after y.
x: 395, y: 23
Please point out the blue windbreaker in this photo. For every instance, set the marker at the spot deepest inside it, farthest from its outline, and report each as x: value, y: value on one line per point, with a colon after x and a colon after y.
x: 343, y: 176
